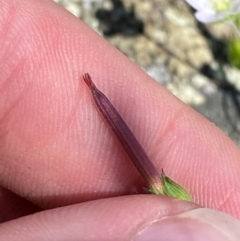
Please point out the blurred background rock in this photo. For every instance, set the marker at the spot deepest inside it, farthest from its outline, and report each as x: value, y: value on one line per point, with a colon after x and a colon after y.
x: 165, y: 40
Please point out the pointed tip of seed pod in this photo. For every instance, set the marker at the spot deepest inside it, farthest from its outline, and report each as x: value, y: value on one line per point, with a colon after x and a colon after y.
x: 88, y: 81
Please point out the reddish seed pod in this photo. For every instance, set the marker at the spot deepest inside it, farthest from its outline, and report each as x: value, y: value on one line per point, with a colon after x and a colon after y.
x: 126, y: 138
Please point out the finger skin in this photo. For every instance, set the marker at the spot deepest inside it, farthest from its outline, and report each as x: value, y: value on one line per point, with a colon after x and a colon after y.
x: 13, y: 206
x: 55, y: 147
x: 108, y: 219
x: 139, y: 217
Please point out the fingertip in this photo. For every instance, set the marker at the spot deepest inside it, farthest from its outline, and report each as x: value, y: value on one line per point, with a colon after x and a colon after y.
x: 193, y: 225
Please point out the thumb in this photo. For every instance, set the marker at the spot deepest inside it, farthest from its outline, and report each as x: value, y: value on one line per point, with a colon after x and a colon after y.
x: 194, y: 225
x: 135, y: 218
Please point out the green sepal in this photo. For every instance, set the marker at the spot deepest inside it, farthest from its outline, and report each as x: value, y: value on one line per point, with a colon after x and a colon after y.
x: 172, y: 189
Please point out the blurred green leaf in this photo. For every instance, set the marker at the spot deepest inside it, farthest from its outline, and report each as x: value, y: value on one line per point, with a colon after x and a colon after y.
x: 234, y: 53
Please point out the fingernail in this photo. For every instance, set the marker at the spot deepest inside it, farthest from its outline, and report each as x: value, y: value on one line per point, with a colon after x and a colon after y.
x: 195, y: 225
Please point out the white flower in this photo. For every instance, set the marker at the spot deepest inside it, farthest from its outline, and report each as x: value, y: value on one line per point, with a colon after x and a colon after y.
x: 215, y: 10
